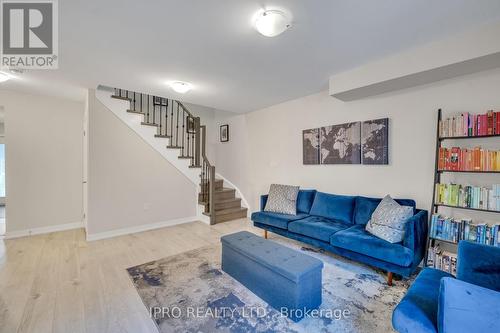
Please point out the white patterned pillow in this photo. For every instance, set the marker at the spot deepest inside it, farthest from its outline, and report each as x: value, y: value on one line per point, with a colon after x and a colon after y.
x: 389, y: 219
x: 282, y: 199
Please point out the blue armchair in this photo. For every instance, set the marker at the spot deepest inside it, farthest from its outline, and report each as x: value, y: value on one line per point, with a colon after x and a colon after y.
x: 437, y: 302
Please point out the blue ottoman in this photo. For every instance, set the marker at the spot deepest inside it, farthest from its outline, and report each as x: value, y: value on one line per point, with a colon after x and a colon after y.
x: 286, y: 279
x: 465, y: 307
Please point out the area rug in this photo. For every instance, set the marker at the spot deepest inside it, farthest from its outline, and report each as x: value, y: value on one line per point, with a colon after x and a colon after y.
x: 190, y: 293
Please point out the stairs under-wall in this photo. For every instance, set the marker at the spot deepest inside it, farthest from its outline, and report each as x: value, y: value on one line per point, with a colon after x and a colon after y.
x: 173, y: 121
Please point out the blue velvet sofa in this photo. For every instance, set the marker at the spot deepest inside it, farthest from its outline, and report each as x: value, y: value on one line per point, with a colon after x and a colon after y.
x: 437, y: 302
x: 337, y: 223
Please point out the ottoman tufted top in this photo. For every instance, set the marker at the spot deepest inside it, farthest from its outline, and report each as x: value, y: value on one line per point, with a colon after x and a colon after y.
x: 281, y: 259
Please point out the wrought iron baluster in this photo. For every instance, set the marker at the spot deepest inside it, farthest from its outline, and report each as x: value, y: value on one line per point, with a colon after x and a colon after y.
x: 183, y: 130
x: 148, y: 110
x: 177, y: 127
x: 193, y: 143
x: 166, y: 118
x: 172, y: 124
x: 154, y: 110
x: 188, y: 150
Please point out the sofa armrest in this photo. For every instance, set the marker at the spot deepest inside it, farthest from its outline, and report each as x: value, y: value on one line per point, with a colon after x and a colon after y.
x: 465, y: 307
x: 263, y: 201
x: 416, y: 235
x: 479, y: 264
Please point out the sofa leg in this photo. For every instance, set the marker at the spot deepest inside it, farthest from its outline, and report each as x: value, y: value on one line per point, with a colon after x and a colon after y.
x: 389, y: 279
x: 265, y: 234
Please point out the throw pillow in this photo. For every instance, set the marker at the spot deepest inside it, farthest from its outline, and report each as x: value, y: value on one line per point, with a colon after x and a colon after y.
x: 388, y: 221
x: 282, y: 199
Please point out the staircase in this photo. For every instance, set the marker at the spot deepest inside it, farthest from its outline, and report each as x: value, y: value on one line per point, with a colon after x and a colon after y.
x: 184, y: 133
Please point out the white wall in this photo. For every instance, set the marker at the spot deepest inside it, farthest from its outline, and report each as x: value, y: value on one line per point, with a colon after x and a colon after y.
x: 231, y: 158
x: 130, y: 185
x: 43, y: 137
x: 272, y: 138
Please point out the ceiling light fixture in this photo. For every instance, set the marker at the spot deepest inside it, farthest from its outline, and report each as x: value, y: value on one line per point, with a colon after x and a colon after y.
x: 271, y: 23
x: 5, y: 77
x: 180, y: 87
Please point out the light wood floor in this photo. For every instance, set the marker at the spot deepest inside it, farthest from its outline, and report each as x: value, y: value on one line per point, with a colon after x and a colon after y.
x: 60, y: 283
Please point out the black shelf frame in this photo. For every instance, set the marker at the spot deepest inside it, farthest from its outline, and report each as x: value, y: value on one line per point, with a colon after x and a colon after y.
x: 465, y: 137
x: 469, y: 208
x: 437, y: 179
x: 443, y: 240
x: 467, y: 171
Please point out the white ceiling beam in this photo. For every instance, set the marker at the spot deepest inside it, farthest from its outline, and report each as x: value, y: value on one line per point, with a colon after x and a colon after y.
x: 467, y: 53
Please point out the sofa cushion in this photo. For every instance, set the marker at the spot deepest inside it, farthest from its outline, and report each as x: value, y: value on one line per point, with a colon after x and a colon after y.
x: 332, y: 206
x: 282, y: 199
x: 364, y: 208
x: 389, y: 220
x: 317, y: 227
x: 417, y: 311
x: 276, y: 219
x: 305, y: 200
x: 357, y: 239
x: 465, y: 307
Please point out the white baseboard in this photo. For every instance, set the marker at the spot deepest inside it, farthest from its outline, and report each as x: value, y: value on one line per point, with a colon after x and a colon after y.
x: 43, y: 230
x: 139, y: 228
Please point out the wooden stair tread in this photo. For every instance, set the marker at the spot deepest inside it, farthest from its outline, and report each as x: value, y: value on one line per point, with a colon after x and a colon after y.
x: 217, y: 181
x: 227, y: 200
x: 185, y: 157
x: 136, y: 112
x: 228, y: 211
x: 224, y: 190
x: 174, y: 147
x: 149, y: 124
x: 221, y: 201
x: 123, y: 98
x: 163, y: 136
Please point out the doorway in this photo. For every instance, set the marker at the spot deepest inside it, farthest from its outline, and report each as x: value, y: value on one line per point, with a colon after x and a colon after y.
x: 2, y: 171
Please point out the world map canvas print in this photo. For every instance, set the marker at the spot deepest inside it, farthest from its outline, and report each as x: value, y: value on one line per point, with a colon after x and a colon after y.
x: 340, y: 144
x: 375, y: 141
x: 310, y: 146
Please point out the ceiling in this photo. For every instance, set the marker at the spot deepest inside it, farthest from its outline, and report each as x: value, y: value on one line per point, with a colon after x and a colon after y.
x: 141, y: 45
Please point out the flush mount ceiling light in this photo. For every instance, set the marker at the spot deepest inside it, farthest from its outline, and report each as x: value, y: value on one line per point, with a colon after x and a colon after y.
x: 271, y: 23
x: 5, y: 77
x: 180, y: 87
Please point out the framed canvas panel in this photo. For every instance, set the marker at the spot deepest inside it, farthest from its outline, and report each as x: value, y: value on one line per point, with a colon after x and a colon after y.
x: 190, y: 125
x: 310, y: 146
x: 340, y: 144
x: 375, y: 141
x: 224, y: 133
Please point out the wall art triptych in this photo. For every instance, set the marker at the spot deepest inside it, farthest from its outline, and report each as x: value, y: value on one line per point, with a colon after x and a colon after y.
x: 364, y: 142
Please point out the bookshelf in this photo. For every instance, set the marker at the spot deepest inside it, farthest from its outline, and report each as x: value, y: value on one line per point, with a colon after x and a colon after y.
x: 438, y: 172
